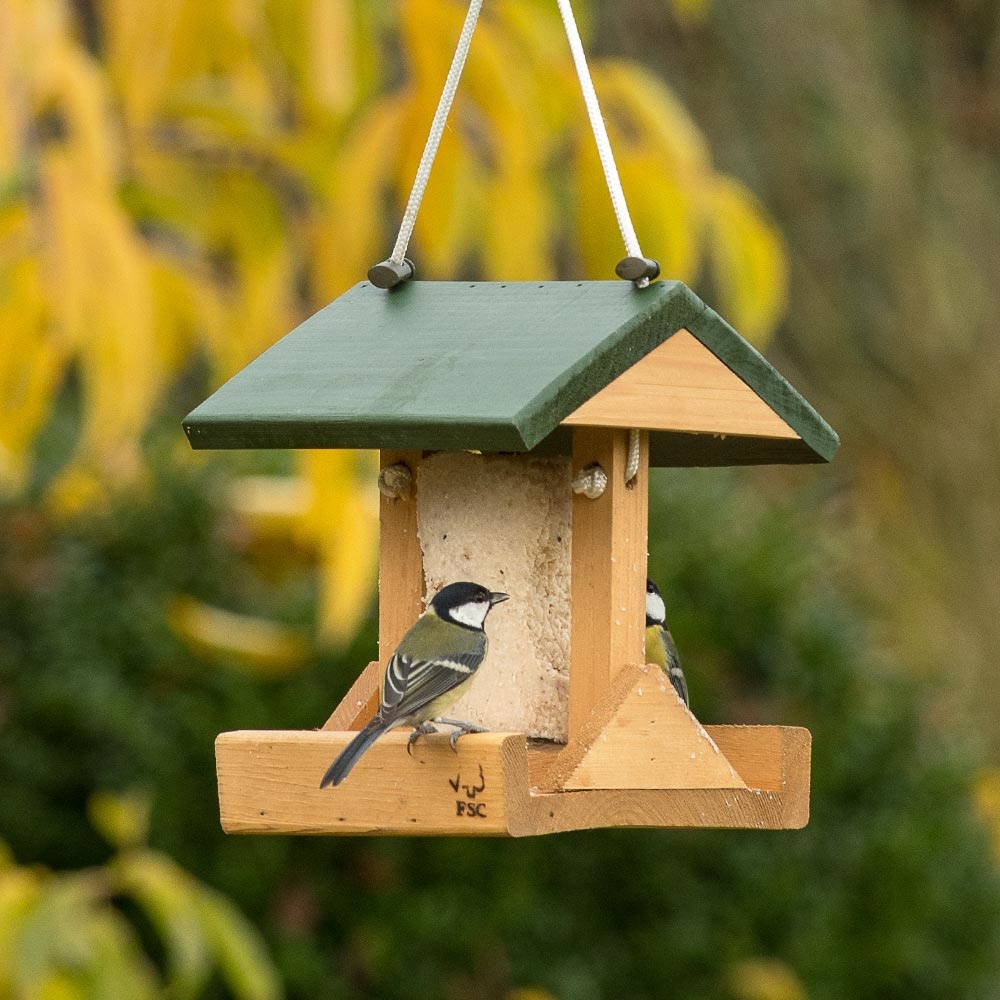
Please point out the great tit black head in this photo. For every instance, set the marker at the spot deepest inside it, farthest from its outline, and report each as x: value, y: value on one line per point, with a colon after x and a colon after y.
x: 465, y: 604
x: 656, y: 612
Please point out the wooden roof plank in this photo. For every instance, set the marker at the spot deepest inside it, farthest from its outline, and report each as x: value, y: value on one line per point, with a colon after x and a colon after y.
x: 487, y: 366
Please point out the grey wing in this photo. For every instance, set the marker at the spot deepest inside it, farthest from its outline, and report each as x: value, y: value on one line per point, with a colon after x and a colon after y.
x: 674, y: 671
x: 411, y: 684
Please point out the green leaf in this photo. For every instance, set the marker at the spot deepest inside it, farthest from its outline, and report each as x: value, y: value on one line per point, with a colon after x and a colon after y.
x: 58, y: 986
x: 54, y: 934
x: 239, y: 949
x: 20, y: 889
x: 168, y: 895
x: 122, y: 819
x: 120, y: 968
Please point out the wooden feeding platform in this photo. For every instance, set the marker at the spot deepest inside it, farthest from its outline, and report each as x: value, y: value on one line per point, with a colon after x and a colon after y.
x: 493, y: 398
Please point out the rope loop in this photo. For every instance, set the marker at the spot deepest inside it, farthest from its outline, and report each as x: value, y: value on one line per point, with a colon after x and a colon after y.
x: 394, y: 481
x: 591, y: 482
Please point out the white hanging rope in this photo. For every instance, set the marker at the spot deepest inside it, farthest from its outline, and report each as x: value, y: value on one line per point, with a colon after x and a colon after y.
x: 600, y: 134
x: 634, y: 267
x: 632, y: 464
x: 613, y: 181
x: 437, y: 129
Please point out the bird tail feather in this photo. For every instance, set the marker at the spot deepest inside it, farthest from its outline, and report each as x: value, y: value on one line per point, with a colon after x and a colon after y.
x: 350, y: 755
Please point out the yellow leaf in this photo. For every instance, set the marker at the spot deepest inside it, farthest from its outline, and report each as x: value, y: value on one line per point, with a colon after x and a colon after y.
x: 664, y: 170
x: 276, y: 505
x: 259, y: 315
x: 169, y: 897
x: 238, y: 948
x: 507, y: 135
x: 20, y: 890
x: 76, y: 489
x: 188, y: 311
x: 71, y: 82
x: 12, y: 111
x: 329, y: 44
x: 121, y: 818
x: 651, y: 117
x: 255, y: 644
x: 690, y: 10
x: 30, y: 370
x: 348, y: 228
x: 748, y: 261
x: 219, y: 43
x: 138, y: 39
x: 518, y: 227
x: 444, y: 233
x: 94, y: 249
x: 59, y: 986
x: 119, y: 966
x: 987, y: 799
x: 344, y: 522
x: 764, y: 979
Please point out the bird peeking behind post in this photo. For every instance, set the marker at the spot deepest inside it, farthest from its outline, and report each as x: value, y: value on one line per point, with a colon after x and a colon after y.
x: 660, y: 648
x: 430, y: 670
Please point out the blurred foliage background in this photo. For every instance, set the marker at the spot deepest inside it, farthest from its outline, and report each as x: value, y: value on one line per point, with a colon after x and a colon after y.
x: 181, y: 183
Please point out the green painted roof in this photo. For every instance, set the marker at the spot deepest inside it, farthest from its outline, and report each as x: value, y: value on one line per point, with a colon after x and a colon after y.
x: 484, y: 365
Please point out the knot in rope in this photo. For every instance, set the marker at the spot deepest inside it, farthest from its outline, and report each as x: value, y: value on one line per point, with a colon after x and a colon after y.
x: 591, y: 482
x: 394, y: 481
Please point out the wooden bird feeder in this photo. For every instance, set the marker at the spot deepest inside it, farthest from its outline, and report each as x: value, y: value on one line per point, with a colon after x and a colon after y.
x: 487, y: 400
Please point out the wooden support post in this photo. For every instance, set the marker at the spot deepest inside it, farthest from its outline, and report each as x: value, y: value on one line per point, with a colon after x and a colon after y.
x: 400, y: 592
x: 609, y: 570
x: 400, y: 563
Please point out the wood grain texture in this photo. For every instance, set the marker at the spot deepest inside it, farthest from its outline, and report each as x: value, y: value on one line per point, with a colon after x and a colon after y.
x: 681, y: 386
x: 641, y: 735
x: 400, y: 562
x: 755, y: 750
x: 376, y: 369
x: 268, y: 783
x: 400, y: 593
x: 609, y: 571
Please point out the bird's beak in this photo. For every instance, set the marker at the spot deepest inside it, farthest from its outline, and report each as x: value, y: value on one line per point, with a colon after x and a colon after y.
x: 498, y: 598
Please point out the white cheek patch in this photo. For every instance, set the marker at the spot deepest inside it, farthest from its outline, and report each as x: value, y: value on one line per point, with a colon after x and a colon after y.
x: 473, y: 613
x: 655, y: 608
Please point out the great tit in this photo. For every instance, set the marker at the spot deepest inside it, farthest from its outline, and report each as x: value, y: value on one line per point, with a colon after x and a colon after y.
x: 430, y: 670
x: 660, y: 648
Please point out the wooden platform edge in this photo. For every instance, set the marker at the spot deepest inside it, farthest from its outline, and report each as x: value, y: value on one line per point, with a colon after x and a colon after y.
x: 269, y: 784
